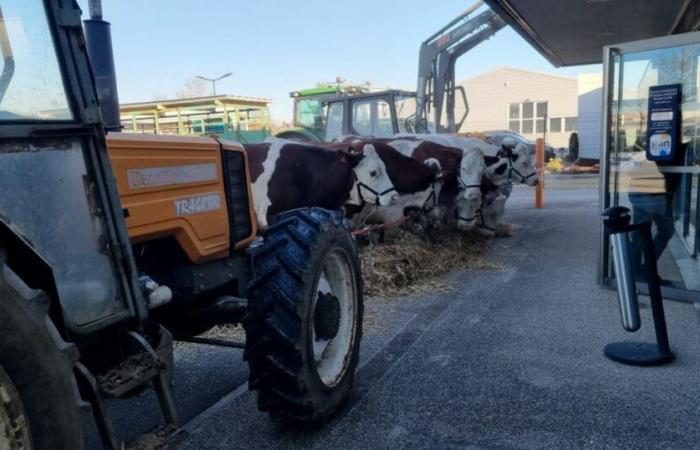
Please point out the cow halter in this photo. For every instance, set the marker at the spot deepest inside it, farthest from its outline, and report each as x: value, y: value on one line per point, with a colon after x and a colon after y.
x: 467, y: 186
x: 482, y: 224
x: 432, y: 197
x: 377, y: 195
x: 512, y: 169
x: 508, y: 153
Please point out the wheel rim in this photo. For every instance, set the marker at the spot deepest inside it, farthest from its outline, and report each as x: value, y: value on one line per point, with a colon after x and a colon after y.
x: 332, y: 356
x: 14, y: 428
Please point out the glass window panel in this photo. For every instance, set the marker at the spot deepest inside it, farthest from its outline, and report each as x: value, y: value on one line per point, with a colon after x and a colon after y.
x: 310, y: 113
x: 372, y: 118
x: 528, y: 110
x: 542, y: 109
x: 664, y: 193
x: 383, y: 126
x: 514, y: 126
x: 539, y: 126
x: 555, y: 125
x: 31, y: 86
x: 361, y: 118
x: 514, y: 111
x: 334, y: 126
x: 406, y: 113
x: 570, y: 124
x: 527, y: 126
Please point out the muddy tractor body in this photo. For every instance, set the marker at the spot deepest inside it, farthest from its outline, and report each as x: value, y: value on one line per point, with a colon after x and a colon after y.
x: 111, y: 245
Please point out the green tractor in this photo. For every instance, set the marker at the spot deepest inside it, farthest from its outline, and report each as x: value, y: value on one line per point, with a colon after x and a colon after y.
x: 310, y: 109
x: 328, y: 112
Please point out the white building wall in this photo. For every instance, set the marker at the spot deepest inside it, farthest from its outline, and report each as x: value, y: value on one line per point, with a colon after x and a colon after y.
x: 590, y: 114
x: 490, y: 94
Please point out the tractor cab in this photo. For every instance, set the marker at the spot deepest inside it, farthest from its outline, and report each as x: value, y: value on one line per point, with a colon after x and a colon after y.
x: 327, y: 113
x: 311, y: 108
x: 61, y: 224
x: 379, y: 114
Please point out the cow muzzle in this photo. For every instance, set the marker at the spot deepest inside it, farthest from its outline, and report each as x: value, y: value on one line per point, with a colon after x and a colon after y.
x: 388, y: 200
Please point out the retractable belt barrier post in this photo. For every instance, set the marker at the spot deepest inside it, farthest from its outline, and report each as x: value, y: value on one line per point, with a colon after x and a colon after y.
x: 617, y: 225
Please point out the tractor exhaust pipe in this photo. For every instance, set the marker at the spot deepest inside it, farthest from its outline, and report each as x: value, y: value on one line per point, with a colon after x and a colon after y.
x: 99, y: 47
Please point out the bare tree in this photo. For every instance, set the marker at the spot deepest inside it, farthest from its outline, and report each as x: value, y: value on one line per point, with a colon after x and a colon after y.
x: 194, y: 87
x: 159, y: 96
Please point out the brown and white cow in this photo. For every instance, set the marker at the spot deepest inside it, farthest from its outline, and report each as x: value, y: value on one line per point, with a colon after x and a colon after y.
x: 504, y: 166
x: 288, y: 175
x: 507, y: 167
x: 417, y: 183
x: 463, y: 170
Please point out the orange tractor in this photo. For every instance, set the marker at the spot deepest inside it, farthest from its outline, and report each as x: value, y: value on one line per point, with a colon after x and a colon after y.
x: 107, y: 254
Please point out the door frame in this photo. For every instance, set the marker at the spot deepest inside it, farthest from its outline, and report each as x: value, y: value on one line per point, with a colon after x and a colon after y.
x: 610, y: 53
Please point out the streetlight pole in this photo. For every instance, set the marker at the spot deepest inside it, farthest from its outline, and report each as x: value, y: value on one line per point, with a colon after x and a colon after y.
x: 214, y: 80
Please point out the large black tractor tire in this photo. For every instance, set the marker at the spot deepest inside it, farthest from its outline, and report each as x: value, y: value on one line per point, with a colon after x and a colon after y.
x: 302, y: 343
x: 32, y: 366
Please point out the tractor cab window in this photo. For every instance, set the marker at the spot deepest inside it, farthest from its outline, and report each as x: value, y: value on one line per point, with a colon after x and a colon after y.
x: 372, y: 118
x: 334, y: 124
x: 406, y: 113
x: 31, y: 86
x: 310, y: 113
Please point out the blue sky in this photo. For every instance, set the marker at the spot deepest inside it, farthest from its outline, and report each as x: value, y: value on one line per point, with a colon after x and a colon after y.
x: 274, y: 46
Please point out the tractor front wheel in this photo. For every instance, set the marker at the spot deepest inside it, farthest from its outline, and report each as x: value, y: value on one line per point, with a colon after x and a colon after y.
x: 304, y: 321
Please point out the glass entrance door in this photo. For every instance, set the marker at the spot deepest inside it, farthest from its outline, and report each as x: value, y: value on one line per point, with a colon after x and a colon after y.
x: 662, y: 192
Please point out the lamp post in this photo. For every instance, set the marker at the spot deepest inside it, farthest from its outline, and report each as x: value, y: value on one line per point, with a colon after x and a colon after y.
x: 214, y: 80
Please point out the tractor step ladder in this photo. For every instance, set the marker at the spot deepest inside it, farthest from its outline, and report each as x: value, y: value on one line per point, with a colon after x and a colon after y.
x: 129, y: 376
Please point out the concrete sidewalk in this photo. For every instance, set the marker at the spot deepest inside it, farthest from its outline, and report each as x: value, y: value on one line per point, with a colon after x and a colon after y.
x: 511, y: 359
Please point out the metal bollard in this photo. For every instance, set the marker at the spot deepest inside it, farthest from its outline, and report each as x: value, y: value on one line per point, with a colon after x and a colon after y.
x: 626, y: 289
x: 617, y: 226
x: 615, y: 220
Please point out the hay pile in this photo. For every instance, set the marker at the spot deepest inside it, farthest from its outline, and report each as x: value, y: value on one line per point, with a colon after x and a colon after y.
x: 406, y: 264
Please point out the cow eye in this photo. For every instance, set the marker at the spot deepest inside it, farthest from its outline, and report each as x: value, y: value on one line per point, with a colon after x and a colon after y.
x: 373, y: 173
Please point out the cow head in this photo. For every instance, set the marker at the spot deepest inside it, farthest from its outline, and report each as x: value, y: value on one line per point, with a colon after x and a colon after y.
x: 372, y: 183
x: 520, y: 164
x: 471, y: 169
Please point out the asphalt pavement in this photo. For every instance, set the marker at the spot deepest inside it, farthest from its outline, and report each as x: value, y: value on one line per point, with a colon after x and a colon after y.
x: 512, y: 358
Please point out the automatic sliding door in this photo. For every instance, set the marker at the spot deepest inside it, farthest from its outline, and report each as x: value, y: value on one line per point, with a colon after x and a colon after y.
x: 664, y: 193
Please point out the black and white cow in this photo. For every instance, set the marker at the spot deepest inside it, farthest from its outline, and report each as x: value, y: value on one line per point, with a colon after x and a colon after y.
x: 288, y: 175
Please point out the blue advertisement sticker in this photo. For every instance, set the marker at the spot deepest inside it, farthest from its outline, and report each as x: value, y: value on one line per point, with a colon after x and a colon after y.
x: 663, y: 122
